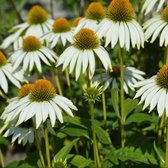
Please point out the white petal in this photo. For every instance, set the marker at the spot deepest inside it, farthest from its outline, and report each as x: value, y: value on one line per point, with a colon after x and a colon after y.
x: 161, y: 102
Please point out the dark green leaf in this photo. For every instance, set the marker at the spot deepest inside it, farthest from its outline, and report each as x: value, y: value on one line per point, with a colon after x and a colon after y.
x: 129, y: 106
x: 115, y: 101
x: 72, y: 130
x: 139, y: 118
x: 65, y: 150
x: 102, y: 135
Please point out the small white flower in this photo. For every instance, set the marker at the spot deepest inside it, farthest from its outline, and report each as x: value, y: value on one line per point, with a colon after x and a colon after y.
x: 158, y: 27
x: 7, y: 73
x: 81, y: 55
x: 131, y: 76
x: 31, y: 53
x: 119, y: 26
x: 153, y: 91
x: 61, y: 33
x: 41, y: 103
x: 37, y: 24
x: 94, y: 14
x: 150, y: 4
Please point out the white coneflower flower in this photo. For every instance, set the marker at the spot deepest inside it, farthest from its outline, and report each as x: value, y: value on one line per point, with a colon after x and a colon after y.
x: 82, y: 53
x: 158, y: 27
x: 7, y: 73
x: 21, y: 134
x: 38, y: 23
x: 154, y: 91
x: 61, y: 33
x: 150, y: 4
x: 131, y: 76
x: 15, y: 102
x: 94, y: 14
x: 120, y: 26
x: 42, y: 102
x: 31, y: 53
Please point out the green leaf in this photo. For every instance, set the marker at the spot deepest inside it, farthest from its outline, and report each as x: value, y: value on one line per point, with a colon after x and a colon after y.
x: 115, y: 101
x: 80, y: 162
x: 159, y: 153
x: 18, y: 164
x: 73, y: 130
x: 139, y: 118
x: 102, y: 135
x: 82, y: 122
x: 65, y: 150
x: 135, y: 155
x: 129, y: 106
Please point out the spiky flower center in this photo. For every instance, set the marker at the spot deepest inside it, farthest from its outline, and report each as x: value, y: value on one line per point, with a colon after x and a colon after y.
x: 61, y: 25
x: 120, y: 10
x: 3, y: 59
x: 164, y: 14
x: 31, y: 43
x: 25, y: 90
x: 116, y: 72
x: 95, y: 11
x: 162, y: 77
x: 86, y: 39
x: 43, y: 90
x: 37, y: 15
x: 76, y: 21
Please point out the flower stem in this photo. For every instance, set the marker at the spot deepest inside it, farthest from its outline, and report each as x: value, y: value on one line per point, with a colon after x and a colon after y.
x: 166, y: 55
x: 161, y: 127
x: 68, y: 82
x: 122, y: 120
x: 2, y: 159
x: 38, y: 144
x: 57, y: 78
x: 47, y: 146
x: 95, y: 148
x: 103, y: 97
x: 166, y: 156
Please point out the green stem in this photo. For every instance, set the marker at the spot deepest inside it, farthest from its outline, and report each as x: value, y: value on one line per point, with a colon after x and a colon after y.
x: 122, y: 121
x: 161, y: 127
x: 95, y: 148
x: 47, y: 147
x: 166, y: 156
x: 166, y: 55
x: 38, y: 144
x: 103, y: 97
x: 68, y: 82
x: 57, y: 78
x: 2, y: 159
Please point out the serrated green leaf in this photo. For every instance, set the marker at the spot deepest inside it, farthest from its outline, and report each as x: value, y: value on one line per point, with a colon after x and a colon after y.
x: 65, y: 150
x: 102, y: 135
x: 159, y: 153
x: 115, y: 101
x: 80, y: 162
x: 135, y: 155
